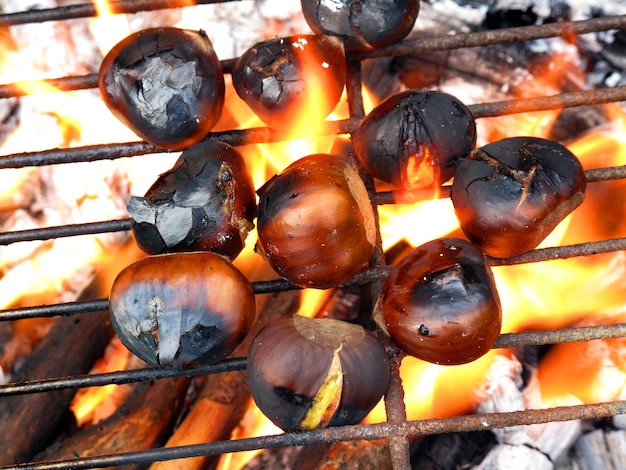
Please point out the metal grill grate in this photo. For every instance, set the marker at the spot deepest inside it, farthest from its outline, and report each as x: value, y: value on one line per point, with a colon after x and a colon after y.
x: 397, y: 430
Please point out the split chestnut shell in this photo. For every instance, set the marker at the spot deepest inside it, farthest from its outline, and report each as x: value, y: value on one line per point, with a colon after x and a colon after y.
x: 295, y: 80
x: 165, y: 84
x: 315, y: 222
x: 440, y: 303
x: 309, y: 373
x: 183, y: 308
x: 510, y: 194
x: 206, y: 202
x: 413, y: 139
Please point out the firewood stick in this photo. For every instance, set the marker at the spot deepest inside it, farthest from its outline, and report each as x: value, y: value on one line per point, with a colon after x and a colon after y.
x: 143, y: 422
x: 224, y: 397
x: 28, y: 422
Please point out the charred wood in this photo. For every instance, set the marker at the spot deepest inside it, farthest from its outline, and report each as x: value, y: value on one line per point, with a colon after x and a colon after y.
x: 144, y: 421
x: 70, y: 348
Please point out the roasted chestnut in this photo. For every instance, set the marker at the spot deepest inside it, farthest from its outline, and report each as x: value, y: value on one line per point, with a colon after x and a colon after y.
x: 440, y: 303
x: 362, y: 24
x: 413, y: 139
x: 509, y: 195
x: 307, y: 373
x: 206, y: 202
x: 294, y: 79
x: 181, y: 308
x: 315, y: 222
x: 165, y: 84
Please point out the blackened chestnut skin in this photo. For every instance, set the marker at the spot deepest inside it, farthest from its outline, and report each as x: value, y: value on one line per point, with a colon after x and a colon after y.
x: 206, y: 202
x: 509, y: 195
x: 166, y: 84
x: 178, y: 309
x: 362, y: 24
x: 315, y: 222
x: 440, y: 303
x: 289, y: 361
x: 413, y: 139
x: 294, y: 80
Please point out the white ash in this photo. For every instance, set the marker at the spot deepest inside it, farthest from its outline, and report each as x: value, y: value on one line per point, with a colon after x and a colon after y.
x: 541, y: 443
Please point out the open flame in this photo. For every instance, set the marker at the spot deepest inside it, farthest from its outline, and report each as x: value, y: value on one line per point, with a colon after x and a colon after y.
x: 541, y: 295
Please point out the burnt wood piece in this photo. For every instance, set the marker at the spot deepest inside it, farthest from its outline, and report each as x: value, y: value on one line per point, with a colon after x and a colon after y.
x: 144, y: 421
x: 600, y: 450
x: 225, y: 397
x: 29, y: 422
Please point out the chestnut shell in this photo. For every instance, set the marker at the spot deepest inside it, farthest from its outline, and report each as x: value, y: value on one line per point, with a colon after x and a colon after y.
x: 289, y: 360
x: 205, y: 202
x: 166, y: 84
x: 292, y: 80
x: 440, y: 303
x: 413, y: 139
x: 509, y: 195
x: 362, y: 24
x: 315, y: 222
x: 182, y: 308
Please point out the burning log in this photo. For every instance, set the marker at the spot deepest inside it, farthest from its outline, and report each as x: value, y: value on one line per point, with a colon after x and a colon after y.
x: 70, y: 348
x: 142, y: 422
x: 223, y: 399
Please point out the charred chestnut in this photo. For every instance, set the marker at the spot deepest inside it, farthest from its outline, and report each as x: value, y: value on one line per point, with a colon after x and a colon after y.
x: 165, y: 84
x: 292, y: 79
x: 315, y: 222
x: 440, y: 303
x: 362, y: 24
x: 309, y: 373
x: 182, y: 308
x: 206, y: 202
x: 413, y: 139
x: 509, y: 195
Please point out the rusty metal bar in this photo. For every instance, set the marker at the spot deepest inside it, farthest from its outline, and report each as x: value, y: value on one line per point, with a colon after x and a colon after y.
x: 261, y: 135
x: 500, y: 36
x: 394, y: 402
x: 477, y: 422
x: 88, y: 10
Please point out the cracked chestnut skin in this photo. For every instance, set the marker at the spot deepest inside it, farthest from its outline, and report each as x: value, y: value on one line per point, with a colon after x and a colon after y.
x: 205, y: 202
x: 179, y: 309
x: 288, y: 372
x: 440, y: 303
x: 315, y: 222
x: 292, y: 80
x: 362, y: 24
x: 413, y: 139
x: 509, y: 195
x: 166, y: 84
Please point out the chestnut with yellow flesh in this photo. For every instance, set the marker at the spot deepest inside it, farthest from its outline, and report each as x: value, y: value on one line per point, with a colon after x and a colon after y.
x: 309, y: 373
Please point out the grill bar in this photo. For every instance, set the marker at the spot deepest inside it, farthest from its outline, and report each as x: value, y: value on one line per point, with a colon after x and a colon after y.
x: 262, y: 135
x: 346, y: 433
x: 506, y: 340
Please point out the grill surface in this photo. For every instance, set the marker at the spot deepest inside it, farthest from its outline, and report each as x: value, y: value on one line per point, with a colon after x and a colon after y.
x: 397, y: 429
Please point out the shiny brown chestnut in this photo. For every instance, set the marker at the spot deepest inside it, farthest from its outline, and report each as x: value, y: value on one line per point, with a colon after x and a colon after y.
x: 362, y: 24
x: 440, y: 303
x: 165, y: 84
x: 413, y: 139
x: 205, y: 202
x: 178, y: 309
x: 510, y: 194
x: 309, y: 373
x: 295, y: 79
x: 315, y: 222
